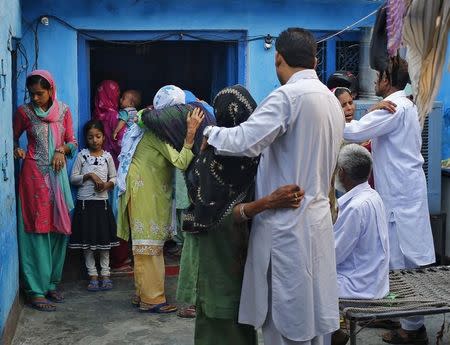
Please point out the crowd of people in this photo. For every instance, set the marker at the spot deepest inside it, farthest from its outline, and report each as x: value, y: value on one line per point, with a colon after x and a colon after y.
x: 248, y: 189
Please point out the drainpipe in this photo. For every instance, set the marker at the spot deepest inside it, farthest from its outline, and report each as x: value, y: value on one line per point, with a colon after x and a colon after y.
x: 367, y: 76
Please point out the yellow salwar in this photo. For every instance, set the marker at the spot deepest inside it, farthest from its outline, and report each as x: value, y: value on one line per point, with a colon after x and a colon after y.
x: 149, y: 274
x: 145, y: 211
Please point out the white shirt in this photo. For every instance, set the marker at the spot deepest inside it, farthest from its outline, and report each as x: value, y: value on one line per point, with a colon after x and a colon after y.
x: 297, y: 130
x: 362, y: 244
x: 399, y: 177
x: 102, y: 166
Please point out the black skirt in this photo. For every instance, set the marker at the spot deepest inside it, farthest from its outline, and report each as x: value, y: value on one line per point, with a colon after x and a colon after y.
x: 93, y: 226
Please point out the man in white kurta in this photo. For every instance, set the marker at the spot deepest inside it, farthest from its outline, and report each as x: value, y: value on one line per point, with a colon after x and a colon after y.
x: 399, y: 176
x: 360, y: 232
x: 297, y: 130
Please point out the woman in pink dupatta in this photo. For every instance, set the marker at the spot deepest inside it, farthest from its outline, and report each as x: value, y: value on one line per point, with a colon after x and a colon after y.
x: 45, y: 199
x: 107, y: 111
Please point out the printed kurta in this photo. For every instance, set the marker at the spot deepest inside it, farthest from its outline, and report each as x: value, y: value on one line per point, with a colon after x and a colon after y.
x: 298, y: 131
x: 146, y: 206
x: 37, y: 182
x: 399, y: 178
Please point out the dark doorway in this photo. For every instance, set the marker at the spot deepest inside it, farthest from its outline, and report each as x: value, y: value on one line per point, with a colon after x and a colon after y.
x: 203, y: 67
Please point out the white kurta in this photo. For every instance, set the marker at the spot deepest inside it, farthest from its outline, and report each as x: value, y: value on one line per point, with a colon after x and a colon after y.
x: 362, y: 244
x: 298, y: 129
x: 399, y: 178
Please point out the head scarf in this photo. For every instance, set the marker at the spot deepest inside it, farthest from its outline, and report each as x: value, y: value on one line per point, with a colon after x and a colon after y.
x: 217, y: 183
x: 191, y: 98
x: 57, y: 182
x: 53, y: 111
x: 169, y: 124
x: 107, y: 111
x: 169, y: 95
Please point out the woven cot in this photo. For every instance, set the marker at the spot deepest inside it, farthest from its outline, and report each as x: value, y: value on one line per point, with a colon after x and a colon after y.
x: 421, y: 291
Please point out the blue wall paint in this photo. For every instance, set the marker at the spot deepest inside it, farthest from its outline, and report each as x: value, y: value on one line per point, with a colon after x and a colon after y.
x: 444, y: 96
x: 256, y: 17
x: 10, y: 26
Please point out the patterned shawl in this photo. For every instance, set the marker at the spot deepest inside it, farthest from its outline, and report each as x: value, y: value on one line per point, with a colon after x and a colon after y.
x: 217, y: 183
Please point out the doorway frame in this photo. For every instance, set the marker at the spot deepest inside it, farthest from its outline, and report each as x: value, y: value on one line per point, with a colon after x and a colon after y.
x: 85, y: 39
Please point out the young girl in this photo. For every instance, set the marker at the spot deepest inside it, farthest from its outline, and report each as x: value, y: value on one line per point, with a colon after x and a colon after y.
x: 93, y: 226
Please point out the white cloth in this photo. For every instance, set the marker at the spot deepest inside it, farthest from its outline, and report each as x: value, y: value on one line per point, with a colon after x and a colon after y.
x: 272, y: 336
x: 91, y: 266
x: 102, y: 166
x: 169, y: 95
x: 130, y: 141
x: 297, y: 130
x: 362, y: 244
x: 399, y: 177
x: 425, y: 33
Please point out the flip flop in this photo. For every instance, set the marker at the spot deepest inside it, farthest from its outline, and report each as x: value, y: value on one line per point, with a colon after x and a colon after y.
x: 162, y: 308
x: 93, y: 286
x: 418, y: 337
x: 42, y: 305
x: 55, y: 296
x: 135, y: 301
x: 106, y: 284
x: 187, y: 313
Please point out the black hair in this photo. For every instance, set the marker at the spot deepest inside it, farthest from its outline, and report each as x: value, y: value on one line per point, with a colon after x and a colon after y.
x: 37, y: 79
x: 397, y: 74
x: 298, y: 47
x: 343, y: 79
x: 93, y: 124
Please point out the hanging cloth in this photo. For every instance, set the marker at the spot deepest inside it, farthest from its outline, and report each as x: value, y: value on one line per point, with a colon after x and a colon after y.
x: 425, y: 33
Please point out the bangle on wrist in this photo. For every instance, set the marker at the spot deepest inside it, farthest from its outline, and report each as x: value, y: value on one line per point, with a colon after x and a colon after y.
x: 61, y: 150
x: 242, y: 212
x: 188, y: 146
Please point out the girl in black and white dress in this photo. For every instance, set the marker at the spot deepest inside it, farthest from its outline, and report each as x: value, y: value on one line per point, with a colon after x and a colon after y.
x: 93, y: 226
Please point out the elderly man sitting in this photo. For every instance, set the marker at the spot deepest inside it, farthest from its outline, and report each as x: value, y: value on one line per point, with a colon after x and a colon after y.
x: 360, y: 232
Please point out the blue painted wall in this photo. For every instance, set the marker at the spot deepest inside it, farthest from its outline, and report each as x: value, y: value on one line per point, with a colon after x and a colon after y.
x: 444, y: 96
x: 58, y: 43
x: 10, y: 26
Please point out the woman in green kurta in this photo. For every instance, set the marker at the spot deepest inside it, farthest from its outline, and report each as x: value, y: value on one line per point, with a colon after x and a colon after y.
x: 145, y: 208
x: 213, y: 258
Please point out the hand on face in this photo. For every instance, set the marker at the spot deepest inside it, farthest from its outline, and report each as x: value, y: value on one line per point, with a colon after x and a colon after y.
x: 194, y: 120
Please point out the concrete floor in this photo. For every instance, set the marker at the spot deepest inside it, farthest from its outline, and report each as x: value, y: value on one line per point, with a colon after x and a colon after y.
x: 107, y: 318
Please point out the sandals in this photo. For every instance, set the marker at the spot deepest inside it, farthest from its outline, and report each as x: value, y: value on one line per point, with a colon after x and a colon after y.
x: 135, y: 301
x: 106, y: 284
x: 93, y: 285
x: 42, y: 304
x: 55, y: 296
x: 162, y: 308
x: 187, y: 313
x: 401, y: 336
